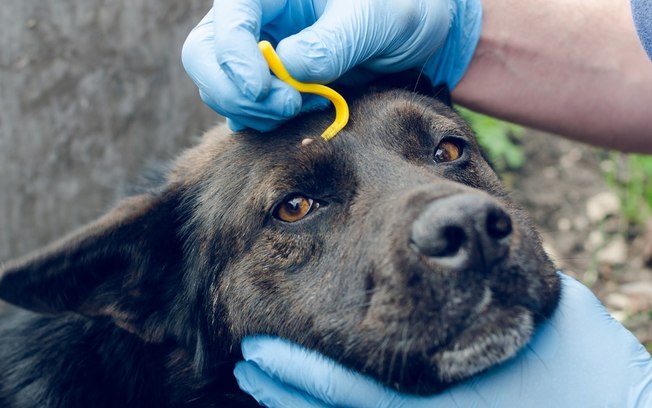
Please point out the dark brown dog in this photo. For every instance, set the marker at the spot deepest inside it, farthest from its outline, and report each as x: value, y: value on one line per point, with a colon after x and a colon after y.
x: 392, y: 248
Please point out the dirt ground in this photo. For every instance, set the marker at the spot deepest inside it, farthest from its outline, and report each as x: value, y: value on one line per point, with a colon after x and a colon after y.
x: 562, y: 186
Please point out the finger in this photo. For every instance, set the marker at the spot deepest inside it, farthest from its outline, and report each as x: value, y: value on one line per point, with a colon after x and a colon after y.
x: 580, y: 311
x: 318, y: 376
x: 281, y: 104
x: 350, y: 33
x: 268, y: 391
x: 309, y: 103
x: 317, y: 53
x: 312, y: 103
x: 223, y: 96
x: 236, y: 25
x: 198, y: 53
x: 346, y: 34
x: 421, y: 28
x: 234, y: 125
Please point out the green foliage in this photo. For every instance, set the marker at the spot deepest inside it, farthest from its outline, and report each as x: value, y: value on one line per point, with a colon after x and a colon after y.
x: 630, y: 176
x: 500, y: 140
x: 648, y: 346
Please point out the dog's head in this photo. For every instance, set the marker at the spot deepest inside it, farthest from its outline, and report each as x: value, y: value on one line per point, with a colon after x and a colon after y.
x: 392, y: 248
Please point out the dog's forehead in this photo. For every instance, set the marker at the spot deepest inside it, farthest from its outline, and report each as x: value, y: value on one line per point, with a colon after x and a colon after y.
x: 403, y: 110
x: 381, y: 123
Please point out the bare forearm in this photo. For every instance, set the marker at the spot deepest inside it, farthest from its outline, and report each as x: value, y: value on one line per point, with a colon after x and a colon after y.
x: 572, y: 67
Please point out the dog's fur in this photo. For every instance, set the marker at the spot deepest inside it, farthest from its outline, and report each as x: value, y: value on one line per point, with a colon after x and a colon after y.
x: 147, y: 305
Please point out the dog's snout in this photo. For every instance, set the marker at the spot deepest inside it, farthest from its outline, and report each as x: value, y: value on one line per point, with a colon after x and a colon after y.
x: 462, y: 230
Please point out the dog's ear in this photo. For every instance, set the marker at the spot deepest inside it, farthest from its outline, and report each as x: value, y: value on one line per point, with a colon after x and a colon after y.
x: 122, y: 266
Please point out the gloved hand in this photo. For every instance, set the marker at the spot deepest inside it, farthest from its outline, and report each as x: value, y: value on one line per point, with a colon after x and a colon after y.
x: 319, y: 41
x: 581, y: 357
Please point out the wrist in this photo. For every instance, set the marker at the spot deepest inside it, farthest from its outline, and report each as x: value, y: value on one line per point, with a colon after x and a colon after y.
x: 449, y: 64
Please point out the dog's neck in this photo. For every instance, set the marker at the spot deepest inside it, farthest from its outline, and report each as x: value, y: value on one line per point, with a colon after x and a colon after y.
x: 106, y: 365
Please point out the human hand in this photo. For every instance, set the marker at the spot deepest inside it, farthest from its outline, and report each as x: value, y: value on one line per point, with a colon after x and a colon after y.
x: 319, y: 41
x: 581, y: 357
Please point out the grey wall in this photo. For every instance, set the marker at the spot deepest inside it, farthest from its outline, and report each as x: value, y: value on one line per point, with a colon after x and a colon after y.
x: 91, y: 92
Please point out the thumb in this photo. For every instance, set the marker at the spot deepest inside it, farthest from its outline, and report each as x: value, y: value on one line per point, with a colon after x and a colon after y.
x: 330, y: 47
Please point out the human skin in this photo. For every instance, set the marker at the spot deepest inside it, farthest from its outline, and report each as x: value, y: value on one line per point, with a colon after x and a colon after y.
x: 576, y: 68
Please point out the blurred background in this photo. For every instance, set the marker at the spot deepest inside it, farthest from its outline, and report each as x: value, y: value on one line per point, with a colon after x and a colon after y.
x: 92, y: 93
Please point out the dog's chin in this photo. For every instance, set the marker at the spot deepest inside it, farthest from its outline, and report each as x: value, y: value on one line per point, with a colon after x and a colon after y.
x: 484, y: 344
x: 492, y: 336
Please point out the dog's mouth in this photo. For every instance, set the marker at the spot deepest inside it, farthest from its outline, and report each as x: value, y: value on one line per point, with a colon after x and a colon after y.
x: 492, y: 337
x: 425, y: 363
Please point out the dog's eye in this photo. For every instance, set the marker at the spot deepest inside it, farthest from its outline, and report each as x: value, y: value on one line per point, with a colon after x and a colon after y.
x: 294, y: 208
x: 447, y: 151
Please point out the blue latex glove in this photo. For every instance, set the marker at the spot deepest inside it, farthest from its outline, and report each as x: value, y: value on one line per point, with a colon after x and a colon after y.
x: 319, y: 41
x: 582, y: 357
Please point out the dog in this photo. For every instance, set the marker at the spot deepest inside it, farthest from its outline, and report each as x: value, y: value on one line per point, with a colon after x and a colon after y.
x: 392, y: 248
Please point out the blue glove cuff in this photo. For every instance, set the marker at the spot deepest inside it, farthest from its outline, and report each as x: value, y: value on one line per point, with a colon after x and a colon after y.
x: 450, y: 63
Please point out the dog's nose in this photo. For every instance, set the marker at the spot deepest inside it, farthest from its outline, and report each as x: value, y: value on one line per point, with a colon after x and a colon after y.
x: 462, y: 230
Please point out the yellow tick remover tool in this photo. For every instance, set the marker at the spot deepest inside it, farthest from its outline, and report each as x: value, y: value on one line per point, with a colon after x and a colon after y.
x: 341, y: 108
